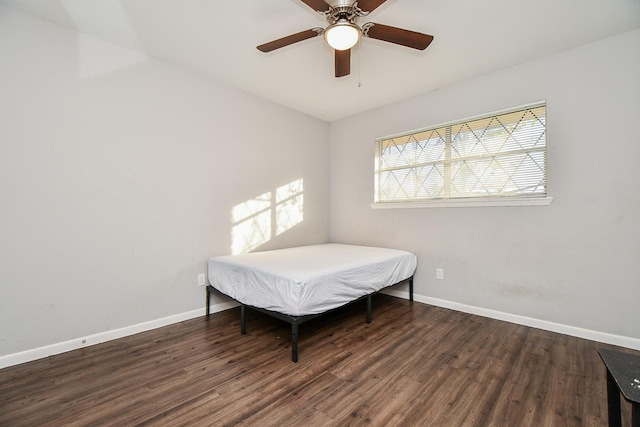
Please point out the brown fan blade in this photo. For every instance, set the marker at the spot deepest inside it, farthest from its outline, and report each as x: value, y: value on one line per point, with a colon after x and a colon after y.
x: 293, y: 38
x: 343, y: 62
x: 317, y: 5
x: 369, y: 5
x: 395, y: 35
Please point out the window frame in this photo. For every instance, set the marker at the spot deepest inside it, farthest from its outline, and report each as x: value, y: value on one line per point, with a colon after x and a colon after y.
x: 480, y: 201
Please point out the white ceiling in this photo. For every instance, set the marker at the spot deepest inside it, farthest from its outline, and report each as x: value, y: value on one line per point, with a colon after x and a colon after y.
x: 217, y: 38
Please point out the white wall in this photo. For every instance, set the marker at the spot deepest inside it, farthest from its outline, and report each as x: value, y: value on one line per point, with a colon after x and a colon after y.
x: 118, y: 175
x: 574, y: 263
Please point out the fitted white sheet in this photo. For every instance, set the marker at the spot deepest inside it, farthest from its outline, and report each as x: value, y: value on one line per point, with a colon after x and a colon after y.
x: 309, y: 279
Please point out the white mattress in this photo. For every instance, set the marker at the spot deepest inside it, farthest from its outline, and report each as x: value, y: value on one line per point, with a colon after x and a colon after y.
x: 309, y: 279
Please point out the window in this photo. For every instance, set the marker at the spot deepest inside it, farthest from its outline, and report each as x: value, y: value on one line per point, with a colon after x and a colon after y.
x: 502, y: 155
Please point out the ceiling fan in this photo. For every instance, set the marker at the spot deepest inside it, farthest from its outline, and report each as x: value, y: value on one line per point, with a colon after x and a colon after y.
x: 344, y: 32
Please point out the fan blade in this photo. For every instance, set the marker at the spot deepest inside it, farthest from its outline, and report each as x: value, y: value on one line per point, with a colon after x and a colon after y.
x: 343, y: 62
x: 369, y: 5
x: 293, y: 38
x: 395, y: 35
x: 317, y: 5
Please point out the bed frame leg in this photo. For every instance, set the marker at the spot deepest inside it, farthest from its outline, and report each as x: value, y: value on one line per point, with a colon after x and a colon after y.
x: 208, y: 300
x: 369, y: 308
x: 294, y: 342
x: 411, y: 288
x: 243, y: 320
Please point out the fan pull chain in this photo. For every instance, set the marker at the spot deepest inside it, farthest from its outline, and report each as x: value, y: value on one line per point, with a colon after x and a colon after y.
x: 359, y: 62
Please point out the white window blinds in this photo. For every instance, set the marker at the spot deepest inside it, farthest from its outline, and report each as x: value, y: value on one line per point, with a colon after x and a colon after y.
x: 499, y: 155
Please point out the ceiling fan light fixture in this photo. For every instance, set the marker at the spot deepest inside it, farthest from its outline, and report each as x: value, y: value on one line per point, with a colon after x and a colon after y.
x: 344, y: 32
x: 342, y: 35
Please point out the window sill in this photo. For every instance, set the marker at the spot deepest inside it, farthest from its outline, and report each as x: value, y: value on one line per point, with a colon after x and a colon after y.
x: 467, y: 203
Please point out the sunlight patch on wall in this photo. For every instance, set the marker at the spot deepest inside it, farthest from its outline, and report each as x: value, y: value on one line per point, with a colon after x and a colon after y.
x: 289, y: 204
x: 252, y: 224
x: 258, y: 220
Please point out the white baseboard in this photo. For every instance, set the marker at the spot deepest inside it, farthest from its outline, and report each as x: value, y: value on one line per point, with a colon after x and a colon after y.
x: 50, y: 350
x: 603, y: 337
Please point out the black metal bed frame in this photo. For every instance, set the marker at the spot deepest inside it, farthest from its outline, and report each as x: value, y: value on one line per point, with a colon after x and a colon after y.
x: 295, y: 321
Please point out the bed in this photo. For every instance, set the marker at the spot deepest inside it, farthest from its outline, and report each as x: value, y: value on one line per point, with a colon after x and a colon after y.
x: 298, y: 284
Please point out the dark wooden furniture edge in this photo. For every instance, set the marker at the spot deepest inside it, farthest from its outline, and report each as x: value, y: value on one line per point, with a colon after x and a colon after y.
x: 620, y: 382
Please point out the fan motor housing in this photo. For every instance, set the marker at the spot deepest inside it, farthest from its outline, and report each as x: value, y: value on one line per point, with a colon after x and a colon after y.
x: 349, y: 12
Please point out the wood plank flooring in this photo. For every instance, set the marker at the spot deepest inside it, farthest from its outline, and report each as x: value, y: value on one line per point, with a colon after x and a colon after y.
x: 414, y: 365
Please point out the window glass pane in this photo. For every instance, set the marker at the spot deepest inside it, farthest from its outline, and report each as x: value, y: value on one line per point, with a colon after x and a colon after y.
x: 431, y: 180
x: 431, y: 146
x: 498, y: 155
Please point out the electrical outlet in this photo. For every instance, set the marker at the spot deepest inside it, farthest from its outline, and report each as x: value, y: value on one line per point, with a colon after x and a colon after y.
x: 201, y: 280
x: 439, y: 273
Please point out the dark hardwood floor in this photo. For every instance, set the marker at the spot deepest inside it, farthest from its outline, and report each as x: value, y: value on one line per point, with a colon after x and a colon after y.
x: 414, y: 365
